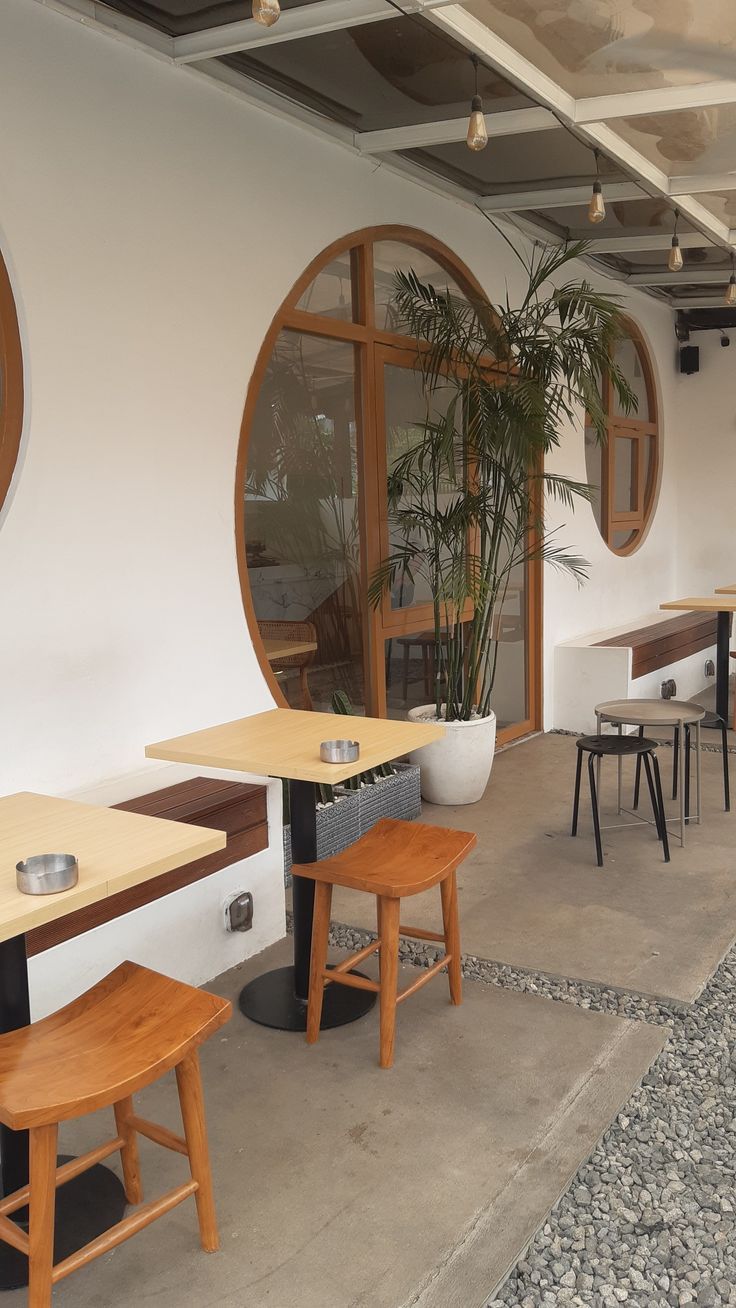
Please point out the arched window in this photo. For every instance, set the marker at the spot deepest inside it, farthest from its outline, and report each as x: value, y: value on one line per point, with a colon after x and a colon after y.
x: 335, y: 398
x: 624, y: 471
x: 11, y: 384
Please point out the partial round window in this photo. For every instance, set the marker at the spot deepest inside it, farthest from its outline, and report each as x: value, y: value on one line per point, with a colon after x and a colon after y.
x: 623, y: 471
x: 11, y: 384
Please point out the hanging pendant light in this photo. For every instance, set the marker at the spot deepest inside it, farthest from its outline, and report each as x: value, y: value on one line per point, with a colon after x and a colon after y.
x: 596, y: 208
x: 674, y: 263
x: 266, y: 12
x: 731, y: 288
x: 477, y: 138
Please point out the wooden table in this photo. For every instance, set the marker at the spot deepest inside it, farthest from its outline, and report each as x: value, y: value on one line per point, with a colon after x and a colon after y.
x: 285, y: 743
x: 286, y: 649
x: 115, y: 850
x: 724, y: 604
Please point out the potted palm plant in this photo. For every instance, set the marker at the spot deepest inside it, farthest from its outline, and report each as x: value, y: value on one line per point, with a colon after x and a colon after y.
x: 467, y: 498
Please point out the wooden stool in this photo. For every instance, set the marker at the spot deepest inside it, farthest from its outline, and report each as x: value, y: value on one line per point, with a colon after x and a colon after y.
x: 393, y: 860
x: 117, y: 1038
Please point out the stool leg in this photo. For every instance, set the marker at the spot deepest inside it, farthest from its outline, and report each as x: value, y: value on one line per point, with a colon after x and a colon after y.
x: 42, y: 1212
x: 389, y: 977
x: 687, y: 773
x: 653, y: 796
x: 596, y: 814
x: 637, y: 779
x: 129, y: 1152
x: 676, y: 761
x: 451, y: 923
x: 318, y: 961
x: 660, y: 802
x: 189, y: 1083
x: 726, y: 779
x: 576, y: 801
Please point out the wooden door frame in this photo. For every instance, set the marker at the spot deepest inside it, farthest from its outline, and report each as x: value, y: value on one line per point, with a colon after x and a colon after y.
x: 369, y: 342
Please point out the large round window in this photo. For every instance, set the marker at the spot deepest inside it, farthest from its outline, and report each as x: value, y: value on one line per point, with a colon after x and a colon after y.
x: 11, y: 384
x: 623, y: 470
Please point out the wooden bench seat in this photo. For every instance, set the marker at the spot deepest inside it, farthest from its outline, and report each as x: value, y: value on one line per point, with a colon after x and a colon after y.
x: 662, y: 643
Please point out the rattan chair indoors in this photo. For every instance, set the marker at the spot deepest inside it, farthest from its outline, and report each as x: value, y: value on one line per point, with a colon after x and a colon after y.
x: 282, y: 630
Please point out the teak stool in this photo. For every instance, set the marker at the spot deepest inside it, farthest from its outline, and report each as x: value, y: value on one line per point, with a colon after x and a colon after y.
x: 98, y: 1051
x: 393, y: 860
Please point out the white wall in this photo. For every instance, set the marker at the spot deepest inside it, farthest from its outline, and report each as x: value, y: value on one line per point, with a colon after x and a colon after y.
x: 152, y: 225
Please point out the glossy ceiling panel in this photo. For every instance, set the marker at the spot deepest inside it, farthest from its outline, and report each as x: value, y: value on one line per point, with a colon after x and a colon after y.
x: 179, y: 17
x: 689, y: 141
x: 602, y: 47
x: 515, y: 162
x: 655, y: 261
x: 722, y: 204
x: 377, y: 75
x: 623, y: 217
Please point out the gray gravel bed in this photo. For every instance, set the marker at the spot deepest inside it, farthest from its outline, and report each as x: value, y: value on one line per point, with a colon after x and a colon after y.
x: 650, y: 1219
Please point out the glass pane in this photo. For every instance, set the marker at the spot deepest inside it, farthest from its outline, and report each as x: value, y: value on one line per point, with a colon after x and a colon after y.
x: 391, y: 256
x: 301, y: 518
x: 625, y: 453
x: 178, y: 17
x: 333, y: 293
x: 407, y: 409
x: 410, y: 672
x: 372, y: 76
x: 546, y: 156
x: 621, y: 539
x: 509, y: 700
x: 629, y: 361
x: 594, y: 454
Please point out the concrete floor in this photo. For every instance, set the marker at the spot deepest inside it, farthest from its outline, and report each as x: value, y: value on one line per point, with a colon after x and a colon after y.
x: 342, y: 1186
x: 532, y: 897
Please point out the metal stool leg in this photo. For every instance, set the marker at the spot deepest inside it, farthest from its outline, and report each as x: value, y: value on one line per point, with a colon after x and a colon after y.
x: 698, y: 757
x: 637, y: 782
x: 687, y: 772
x: 576, y: 801
x: 655, y: 790
x: 726, y: 779
x: 596, y: 815
x: 675, y: 761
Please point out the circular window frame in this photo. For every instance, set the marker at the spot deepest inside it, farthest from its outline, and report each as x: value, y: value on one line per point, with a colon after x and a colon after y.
x: 361, y: 333
x: 11, y: 374
x: 637, y: 523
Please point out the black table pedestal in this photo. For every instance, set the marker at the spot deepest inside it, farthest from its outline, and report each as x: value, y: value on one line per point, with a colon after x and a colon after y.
x: 85, y: 1206
x: 279, y: 998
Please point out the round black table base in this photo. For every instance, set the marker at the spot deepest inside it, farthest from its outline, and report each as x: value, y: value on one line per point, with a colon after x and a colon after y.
x: 270, y: 1001
x: 85, y: 1207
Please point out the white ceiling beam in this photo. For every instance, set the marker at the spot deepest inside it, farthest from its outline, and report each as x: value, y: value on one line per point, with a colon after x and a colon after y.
x: 308, y: 20
x: 704, y: 301
x: 690, y: 276
x: 555, y: 197
x: 702, y: 184
x: 624, y: 244
x: 510, y: 122
x: 100, y: 18
x: 664, y: 100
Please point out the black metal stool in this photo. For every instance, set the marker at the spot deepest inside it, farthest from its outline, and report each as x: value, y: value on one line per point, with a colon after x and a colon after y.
x: 620, y: 747
x: 715, y: 723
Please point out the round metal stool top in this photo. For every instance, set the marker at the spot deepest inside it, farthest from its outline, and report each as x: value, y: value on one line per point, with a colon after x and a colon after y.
x: 650, y: 712
x: 618, y: 746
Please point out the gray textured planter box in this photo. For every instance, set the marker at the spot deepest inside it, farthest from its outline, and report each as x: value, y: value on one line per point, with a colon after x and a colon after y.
x: 356, y: 811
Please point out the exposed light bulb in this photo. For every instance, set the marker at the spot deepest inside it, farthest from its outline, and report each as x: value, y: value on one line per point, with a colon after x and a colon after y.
x: 731, y: 290
x: 674, y: 263
x: 266, y: 12
x: 596, y: 208
x: 477, y: 138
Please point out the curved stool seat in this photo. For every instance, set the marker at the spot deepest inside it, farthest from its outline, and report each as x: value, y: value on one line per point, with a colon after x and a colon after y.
x: 393, y: 860
x: 619, y: 747
x: 96, y: 1052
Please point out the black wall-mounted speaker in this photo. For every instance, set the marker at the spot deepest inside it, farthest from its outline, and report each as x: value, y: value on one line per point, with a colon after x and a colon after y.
x: 690, y: 359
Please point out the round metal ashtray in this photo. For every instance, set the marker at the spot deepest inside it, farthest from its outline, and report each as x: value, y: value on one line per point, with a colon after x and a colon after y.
x: 47, y: 874
x: 339, y: 751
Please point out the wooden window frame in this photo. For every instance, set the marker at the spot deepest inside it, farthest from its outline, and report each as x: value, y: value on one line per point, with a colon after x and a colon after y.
x: 372, y: 346
x: 11, y: 376
x: 636, y: 520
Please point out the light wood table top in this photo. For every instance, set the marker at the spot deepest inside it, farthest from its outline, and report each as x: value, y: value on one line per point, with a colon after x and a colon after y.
x: 286, y: 649
x: 285, y: 743
x: 719, y: 603
x: 725, y: 590
x: 115, y: 849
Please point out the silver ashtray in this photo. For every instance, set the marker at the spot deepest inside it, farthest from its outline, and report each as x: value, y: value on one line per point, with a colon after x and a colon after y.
x: 339, y: 751
x: 47, y: 874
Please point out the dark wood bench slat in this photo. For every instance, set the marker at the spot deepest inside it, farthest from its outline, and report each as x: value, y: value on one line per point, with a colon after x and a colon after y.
x: 661, y: 643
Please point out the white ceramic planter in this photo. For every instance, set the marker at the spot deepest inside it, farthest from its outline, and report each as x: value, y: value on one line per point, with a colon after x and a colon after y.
x: 455, y: 770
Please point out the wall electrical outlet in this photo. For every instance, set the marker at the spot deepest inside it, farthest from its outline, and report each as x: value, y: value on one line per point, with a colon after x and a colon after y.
x: 239, y: 912
x: 710, y: 668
